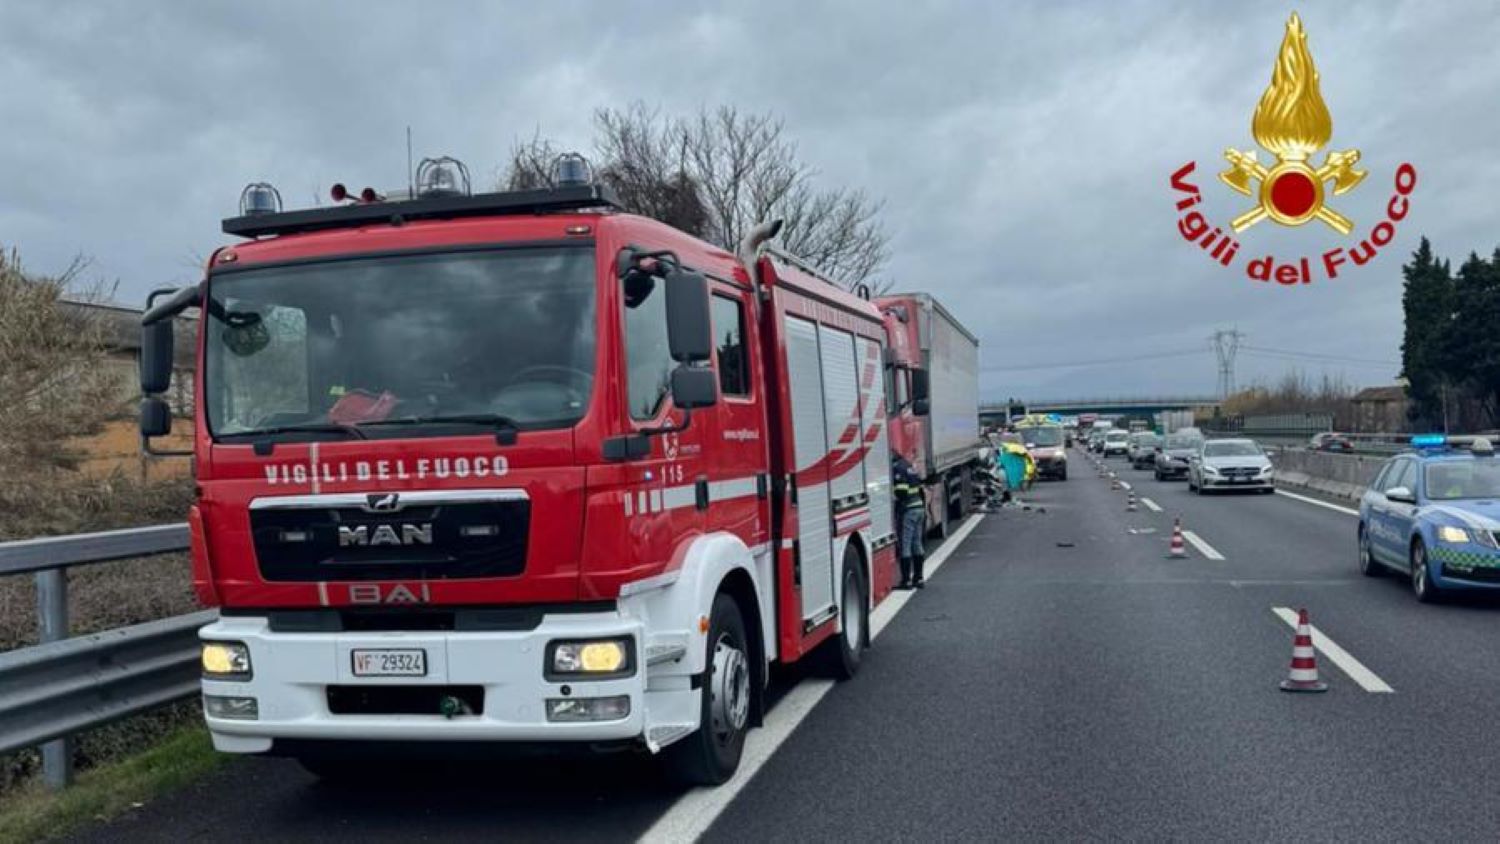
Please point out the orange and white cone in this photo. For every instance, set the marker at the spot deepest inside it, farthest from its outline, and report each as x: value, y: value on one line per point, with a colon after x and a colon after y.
x: 1177, y: 548
x: 1114, y: 481
x: 1130, y: 502
x: 1303, y: 676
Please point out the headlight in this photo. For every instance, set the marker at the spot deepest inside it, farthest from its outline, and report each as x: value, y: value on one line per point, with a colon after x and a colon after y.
x: 226, y: 661
x: 1209, y: 470
x: 1452, y: 535
x: 1266, y: 470
x: 602, y: 656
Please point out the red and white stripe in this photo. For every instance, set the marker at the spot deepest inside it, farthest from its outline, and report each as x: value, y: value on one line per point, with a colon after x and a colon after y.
x: 1304, y: 658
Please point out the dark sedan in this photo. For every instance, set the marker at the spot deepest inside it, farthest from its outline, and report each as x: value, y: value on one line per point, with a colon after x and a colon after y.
x: 1172, y: 457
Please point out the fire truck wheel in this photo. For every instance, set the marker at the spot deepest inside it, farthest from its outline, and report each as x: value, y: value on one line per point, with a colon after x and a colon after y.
x: 711, y: 755
x: 844, y: 651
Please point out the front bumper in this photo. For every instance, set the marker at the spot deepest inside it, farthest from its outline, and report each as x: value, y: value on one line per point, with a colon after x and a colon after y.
x: 1172, y: 470
x: 292, y: 673
x: 1260, y: 482
x: 1052, y: 467
x: 1464, y: 567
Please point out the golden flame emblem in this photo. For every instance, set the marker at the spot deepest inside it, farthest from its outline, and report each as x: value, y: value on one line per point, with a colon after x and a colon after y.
x: 1292, y: 123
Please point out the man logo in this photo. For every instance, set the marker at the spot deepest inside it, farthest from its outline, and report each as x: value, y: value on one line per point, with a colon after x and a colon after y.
x: 362, y: 535
x: 384, y: 502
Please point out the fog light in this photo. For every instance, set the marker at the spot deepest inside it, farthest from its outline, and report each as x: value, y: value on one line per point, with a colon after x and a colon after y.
x: 226, y: 661
x: 588, y: 708
x: 607, y: 656
x: 231, y: 708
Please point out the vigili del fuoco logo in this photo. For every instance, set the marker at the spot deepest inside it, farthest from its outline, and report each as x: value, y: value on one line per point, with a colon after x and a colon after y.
x: 1292, y: 123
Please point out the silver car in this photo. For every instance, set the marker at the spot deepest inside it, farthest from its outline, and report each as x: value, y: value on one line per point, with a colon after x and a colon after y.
x: 1230, y: 464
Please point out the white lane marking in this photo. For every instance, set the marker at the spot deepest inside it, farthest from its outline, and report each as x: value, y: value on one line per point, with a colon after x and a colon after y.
x: 1356, y: 670
x: 1317, y: 502
x: 1151, y: 505
x: 695, y: 811
x: 1125, y: 485
x: 1203, y: 547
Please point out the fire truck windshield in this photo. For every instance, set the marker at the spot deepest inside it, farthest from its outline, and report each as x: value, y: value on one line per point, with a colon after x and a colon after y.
x: 321, y: 348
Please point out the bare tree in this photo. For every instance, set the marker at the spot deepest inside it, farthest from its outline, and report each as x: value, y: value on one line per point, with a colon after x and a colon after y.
x: 52, y: 371
x: 716, y: 175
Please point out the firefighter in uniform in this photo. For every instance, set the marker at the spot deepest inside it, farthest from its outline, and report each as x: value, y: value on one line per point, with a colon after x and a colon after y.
x: 911, y: 522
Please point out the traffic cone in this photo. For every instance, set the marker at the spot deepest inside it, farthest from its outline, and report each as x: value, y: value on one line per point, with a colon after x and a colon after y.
x: 1303, y: 676
x: 1114, y: 481
x: 1177, y: 549
x: 1130, y: 502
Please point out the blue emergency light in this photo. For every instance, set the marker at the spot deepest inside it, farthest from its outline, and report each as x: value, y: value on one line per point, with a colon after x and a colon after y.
x: 1429, y: 440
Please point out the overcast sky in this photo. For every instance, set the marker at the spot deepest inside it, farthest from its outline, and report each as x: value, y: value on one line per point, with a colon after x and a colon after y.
x: 1023, y: 151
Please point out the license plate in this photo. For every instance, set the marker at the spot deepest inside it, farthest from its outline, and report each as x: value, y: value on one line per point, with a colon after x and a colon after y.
x: 1239, y: 480
x: 390, y: 663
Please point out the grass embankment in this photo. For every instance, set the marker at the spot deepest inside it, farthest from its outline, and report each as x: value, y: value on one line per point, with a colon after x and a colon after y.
x: 107, y: 790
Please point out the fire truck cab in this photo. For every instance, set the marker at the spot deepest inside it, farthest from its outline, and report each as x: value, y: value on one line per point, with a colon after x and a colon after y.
x: 521, y: 467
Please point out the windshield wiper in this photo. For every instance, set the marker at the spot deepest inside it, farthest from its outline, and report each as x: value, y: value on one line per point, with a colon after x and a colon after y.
x: 505, y: 427
x: 265, y: 446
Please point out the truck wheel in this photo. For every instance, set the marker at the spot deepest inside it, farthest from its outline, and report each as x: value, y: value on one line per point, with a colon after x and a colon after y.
x: 711, y: 755
x: 1063, y: 475
x: 843, y: 652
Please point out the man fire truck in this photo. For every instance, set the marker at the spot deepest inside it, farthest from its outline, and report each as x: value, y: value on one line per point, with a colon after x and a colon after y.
x: 521, y: 467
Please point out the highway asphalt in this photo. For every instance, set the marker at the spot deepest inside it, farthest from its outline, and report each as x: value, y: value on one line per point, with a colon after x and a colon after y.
x: 1060, y: 678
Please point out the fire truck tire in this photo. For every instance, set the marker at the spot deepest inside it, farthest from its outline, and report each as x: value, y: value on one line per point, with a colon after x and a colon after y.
x: 842, y: 653
x: 711, y: 755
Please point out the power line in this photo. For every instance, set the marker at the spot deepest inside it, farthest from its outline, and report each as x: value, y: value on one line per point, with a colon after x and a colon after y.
x: 1115, y: 361
x: 1297, y: 359
x: 1319, y: 355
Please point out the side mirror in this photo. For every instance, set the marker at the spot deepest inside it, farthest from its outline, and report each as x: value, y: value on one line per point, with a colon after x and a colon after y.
x: 689, y: 331
x: 920, y: 407
x: 156, y: 357
x: 1401, y: 494
x: 156, y: 417
x: 694, y: 387
x: 920, y: 388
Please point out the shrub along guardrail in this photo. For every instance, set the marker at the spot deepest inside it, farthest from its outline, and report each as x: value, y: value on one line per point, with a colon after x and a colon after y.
x: 52, y: 690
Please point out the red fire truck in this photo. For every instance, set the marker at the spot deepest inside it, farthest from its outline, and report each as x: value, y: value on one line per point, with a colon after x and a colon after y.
x: 520, y: 467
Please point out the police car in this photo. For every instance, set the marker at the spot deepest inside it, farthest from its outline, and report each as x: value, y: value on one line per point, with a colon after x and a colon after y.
x: 1433, y: 514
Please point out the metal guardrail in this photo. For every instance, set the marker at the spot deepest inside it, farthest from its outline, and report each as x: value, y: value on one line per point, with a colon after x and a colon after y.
x: 51, y: 690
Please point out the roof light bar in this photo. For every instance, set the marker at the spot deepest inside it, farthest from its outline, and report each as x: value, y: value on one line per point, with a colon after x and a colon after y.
x: 545, y: 201
x: 1428, y: 440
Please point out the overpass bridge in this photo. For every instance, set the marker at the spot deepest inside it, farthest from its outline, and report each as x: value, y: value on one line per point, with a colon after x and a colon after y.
x: 1107, y: 406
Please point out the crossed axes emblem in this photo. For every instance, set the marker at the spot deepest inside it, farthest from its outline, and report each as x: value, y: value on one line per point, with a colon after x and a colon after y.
x: 1338, y: 167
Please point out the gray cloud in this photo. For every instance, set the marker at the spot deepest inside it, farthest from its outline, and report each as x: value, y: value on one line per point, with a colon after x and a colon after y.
x: 1023, y: 150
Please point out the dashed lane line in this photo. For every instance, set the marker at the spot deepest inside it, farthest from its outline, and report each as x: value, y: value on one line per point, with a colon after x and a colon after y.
x: 1151, y: 505
x: 1356, y: 670
x: 695, y: 811
x: 1324, y: 504
x: 1125, y: 485
x: 1203, y: 547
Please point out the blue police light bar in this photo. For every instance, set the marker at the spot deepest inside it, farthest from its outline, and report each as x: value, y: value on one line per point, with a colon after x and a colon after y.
x: 1428, y: 440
